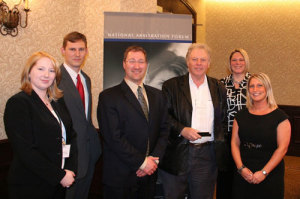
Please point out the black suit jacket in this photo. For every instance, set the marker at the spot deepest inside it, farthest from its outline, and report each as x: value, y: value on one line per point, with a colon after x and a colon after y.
x: 126, y: 130
x: 88, y: 144
x: 177, y: 92
x: 36, y: 139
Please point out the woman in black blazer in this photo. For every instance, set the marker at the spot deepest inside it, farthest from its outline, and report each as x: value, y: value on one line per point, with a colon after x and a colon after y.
x: 39, y: 128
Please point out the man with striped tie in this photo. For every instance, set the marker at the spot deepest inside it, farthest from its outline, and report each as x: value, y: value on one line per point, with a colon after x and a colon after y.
x: 133, y: 121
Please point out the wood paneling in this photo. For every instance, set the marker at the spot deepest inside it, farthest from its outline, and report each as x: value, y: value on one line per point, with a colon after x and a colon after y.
x: 294, y: 117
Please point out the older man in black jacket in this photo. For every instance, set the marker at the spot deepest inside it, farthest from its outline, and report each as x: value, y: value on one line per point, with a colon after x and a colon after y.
x: 197, y: 110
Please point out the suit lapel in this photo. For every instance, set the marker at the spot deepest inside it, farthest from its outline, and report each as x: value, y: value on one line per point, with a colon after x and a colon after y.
x: 69, y: 87
x: 88, y: 85
x: 185, y: 87
x: 151, y: 103
x: 132, y: 98
x: 213, y: 92
x: 43, y: 107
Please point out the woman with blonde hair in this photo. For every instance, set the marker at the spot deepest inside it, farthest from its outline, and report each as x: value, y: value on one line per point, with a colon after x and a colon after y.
x: 39, y: 128
x: 260, y: 138
x: 236, y: 86
x: 236, y: 83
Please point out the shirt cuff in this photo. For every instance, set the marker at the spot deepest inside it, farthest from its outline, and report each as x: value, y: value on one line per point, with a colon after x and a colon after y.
x: 142, y: 167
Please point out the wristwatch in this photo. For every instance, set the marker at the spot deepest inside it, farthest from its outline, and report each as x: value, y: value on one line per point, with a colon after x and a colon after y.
x: 264, y: 172
x: 239, y: 170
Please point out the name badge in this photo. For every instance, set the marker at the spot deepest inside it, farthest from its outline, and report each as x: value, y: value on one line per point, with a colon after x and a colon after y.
x: 66, y: 150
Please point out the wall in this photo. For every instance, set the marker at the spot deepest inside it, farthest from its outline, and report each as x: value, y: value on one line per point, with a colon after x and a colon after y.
x: 268, y: 30
x: 49, y: 21
x: 199, y: 6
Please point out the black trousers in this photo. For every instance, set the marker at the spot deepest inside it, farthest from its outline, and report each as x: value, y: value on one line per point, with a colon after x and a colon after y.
x: 225, y: 178
x: 36, y: 191
x: 224, y: 184
x: 81, y: 187
x: 199, y: 179
x: 144, y: 189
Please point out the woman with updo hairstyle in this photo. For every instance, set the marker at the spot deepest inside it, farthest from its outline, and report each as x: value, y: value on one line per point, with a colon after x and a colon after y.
x: 39, y: 129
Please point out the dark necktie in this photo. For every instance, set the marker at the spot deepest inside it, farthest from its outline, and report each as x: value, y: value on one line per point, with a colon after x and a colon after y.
x: 142, y: 101
x: 144, y: 106
x: 80, y: 89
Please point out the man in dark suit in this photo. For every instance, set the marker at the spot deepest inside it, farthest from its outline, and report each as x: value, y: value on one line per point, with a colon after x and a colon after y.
x: 133, y: 121
x: 76, y: 86
x: 196, y: 147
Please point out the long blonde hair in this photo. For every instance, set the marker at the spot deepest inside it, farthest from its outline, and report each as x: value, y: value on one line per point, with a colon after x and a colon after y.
x: 265, y: 80
x: 53, y: 91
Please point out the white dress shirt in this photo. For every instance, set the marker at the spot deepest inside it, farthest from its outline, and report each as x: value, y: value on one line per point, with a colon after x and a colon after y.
x: 73, y: 75
x: 134, y: 88
x: 203, y: 110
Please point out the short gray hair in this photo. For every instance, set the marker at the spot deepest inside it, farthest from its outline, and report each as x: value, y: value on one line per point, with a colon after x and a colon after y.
x: 199, y: 46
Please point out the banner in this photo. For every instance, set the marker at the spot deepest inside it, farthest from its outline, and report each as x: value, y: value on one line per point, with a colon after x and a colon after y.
x: 165, y: 37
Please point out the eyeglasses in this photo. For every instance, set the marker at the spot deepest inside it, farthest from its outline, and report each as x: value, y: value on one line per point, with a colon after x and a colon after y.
x: 133, y: 61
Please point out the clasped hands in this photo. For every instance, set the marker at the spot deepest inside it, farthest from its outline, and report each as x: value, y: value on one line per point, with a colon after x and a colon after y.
x: 68, y: 179
x: 251, y: 178
x: 150, y: 167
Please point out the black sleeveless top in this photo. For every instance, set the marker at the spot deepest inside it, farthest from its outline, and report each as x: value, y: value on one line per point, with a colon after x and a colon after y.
x: 258, y: 141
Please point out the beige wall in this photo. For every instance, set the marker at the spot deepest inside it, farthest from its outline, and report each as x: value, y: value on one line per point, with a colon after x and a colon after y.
x: 49, y: 21
x: 269, y: 30
x: 199, y: 6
